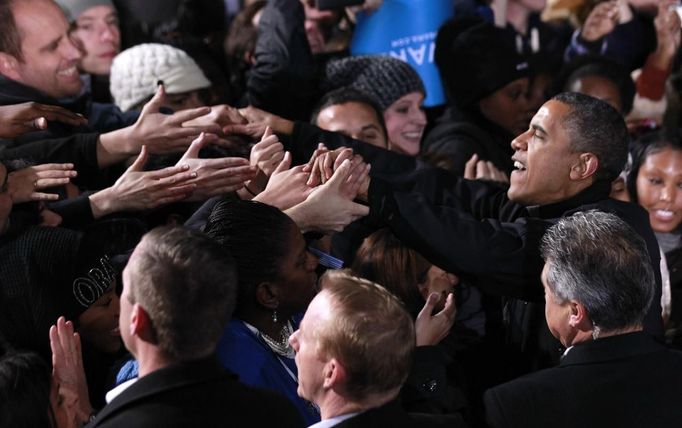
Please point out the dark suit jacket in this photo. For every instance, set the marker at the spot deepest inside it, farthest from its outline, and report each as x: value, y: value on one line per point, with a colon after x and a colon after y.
x: 622, y: 381
x: 391, y: 415
x: 196, y: 394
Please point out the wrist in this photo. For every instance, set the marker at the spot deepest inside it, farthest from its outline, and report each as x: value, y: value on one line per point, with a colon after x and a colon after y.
x: 283, y: 126
x: 298, y: 213
x: 121, y: 142
x: 102, y: 203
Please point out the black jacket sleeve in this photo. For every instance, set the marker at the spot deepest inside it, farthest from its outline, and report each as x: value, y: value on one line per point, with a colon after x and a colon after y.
x: 464, y: 227
x: 283, y: 80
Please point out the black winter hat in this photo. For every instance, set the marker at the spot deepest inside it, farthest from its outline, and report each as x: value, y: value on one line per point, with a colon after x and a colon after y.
x: 385, y: 79
x: 46, y: 272
x: 475, y: 59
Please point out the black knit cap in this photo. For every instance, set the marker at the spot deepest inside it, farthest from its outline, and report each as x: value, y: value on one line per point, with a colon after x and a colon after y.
x: 475, y: 59
x: 385, y: 79
x: 46, y: 272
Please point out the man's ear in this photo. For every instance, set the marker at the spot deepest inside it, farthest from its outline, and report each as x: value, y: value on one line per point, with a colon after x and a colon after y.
x: 334, y: 374
x: 585, y: 167
x: 141, y: 324
x: 9, y: 66
x: 579, y: 318
x: 267, y: 295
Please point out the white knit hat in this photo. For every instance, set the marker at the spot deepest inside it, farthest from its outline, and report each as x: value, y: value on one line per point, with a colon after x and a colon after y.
x: 136, y: 71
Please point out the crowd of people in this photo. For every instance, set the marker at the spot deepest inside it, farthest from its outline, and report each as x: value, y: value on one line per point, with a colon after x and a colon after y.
x: 211, y: 214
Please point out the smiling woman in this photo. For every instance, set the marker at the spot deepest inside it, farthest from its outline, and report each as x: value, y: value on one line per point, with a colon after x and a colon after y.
x: 655, y: 183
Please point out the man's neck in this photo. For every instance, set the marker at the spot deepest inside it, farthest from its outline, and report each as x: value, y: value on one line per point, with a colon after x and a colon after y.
x: 517, y: 16
x: 591, y: 335
x: 336, y: 405
x: 150, y: 359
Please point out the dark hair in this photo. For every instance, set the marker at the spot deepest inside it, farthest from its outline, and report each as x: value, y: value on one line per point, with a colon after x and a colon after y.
x: 257, y: 236
x: 598, y: 260
x: 592, y: 65
x: 10, y: 39
x: 25, y: 381
x: 240, y: 42
x: 186, y: 283
x: 348, y: 95
x: 646, y: 146
x: 596, y: 127
x: 384, y: 259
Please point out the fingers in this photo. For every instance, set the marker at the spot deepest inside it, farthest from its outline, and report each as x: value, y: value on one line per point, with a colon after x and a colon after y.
x: 341, y: 174
x: 470, y: 167
x: 237, y: 128
x: 482, y: 170
x: 194, y: 148
x: 450, y: 308
x: 191, y: 114
x: 54, y: 113
x: 141, y: 160
x: 156, y: 102
x: 358, y: 210
x: 285, y: 164
x: 267, y: 133
x: 430, y: 304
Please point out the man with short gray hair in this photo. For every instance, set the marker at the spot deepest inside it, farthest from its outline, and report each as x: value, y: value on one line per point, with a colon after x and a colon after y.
x: 598, y: 285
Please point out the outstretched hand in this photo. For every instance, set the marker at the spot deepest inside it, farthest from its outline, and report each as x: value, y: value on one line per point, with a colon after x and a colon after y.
x: 330, y: 207
x: 601, y: 21
x: 19, y: 119
x: 26, y: 184
x: 67, y: 370
x: 431, y: 329
x: 476, y: 169
x: 163, y: 133
x: 287, y: 186
x: 138, y: 190
x: 213, y: 177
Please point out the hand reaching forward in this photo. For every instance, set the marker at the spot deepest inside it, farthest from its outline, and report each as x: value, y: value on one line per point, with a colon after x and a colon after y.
x: 163, y: 133
x: 476, y: 169
x: 67, y: 370
x: 138, y: 190
x: 601, y: 21
x: 19, y: 119
x: 267, y: 153
x: 26, y: 184
x: 431, y: 329
x: 213, y: 177
x: 330, y: 207
x: 287, y: 186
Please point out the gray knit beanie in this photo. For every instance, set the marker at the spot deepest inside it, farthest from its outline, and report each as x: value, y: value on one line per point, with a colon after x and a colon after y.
x: 136, y: 71
x: 383, y: 78
x: 73, y: 8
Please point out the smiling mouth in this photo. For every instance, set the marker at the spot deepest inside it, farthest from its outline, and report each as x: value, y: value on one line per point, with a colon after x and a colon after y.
x: 415, y: 136
x: 68, y: 72
x: 519, y: 166
x: 664, y: 214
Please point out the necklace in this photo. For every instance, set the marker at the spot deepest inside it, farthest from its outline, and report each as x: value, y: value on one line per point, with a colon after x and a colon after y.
x: 281, y: 346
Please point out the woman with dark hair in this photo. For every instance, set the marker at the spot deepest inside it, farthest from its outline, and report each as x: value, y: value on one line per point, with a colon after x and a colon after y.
x: 384, y: 259
x: 655, y: 183
x: 24, y: 389
x: 276, y: 281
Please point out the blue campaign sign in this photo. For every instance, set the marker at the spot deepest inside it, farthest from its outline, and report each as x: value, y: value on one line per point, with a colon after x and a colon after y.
x: 406, y: 29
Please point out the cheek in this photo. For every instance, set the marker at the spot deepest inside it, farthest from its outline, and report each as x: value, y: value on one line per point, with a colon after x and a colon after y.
x: 393, y: 123
x: 646, y: 194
